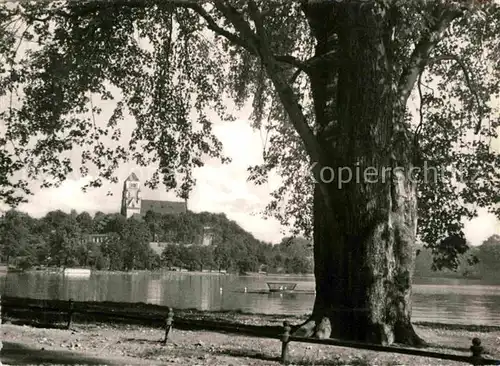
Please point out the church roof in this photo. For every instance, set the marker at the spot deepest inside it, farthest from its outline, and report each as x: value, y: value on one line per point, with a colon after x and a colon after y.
x: 163, y: 207
x: 132, y: 178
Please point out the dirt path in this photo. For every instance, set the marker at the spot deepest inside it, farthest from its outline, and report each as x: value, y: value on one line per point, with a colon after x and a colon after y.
x: 139, y: 345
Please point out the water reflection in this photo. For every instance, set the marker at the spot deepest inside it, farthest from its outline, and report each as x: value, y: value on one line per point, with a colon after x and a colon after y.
x: 437, y: 300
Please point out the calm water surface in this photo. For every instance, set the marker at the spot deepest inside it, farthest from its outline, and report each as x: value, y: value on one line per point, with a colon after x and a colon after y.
x: 437, y: 300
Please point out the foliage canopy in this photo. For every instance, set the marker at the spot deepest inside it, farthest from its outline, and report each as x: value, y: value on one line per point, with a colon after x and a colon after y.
x: 172, y: 64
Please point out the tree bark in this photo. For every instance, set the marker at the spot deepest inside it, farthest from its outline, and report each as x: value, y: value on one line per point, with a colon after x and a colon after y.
x: 364, y: 250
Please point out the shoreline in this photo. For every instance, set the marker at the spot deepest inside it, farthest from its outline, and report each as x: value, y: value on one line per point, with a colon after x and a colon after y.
x: 308, y: 277
x: 22, y: 309
x: 56, y: 270
x: 423, y: 280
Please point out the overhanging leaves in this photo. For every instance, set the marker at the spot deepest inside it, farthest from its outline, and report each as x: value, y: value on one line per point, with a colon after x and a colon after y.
x: 169, y: 65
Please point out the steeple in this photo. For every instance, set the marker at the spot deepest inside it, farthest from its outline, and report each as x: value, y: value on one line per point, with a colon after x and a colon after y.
x: 131, y: 197
x: 134, y: 204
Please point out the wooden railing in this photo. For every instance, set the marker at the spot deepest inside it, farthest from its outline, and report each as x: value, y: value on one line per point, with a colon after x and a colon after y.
x: 476, y: 357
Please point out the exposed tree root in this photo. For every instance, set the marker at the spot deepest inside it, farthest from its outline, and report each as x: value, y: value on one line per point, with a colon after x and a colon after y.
x: 406, y: 335
x: 306, y: 330
x: 321, y: 328
x: 316, y: 329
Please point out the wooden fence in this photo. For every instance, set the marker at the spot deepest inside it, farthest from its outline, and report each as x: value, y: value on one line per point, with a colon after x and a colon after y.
x: 10, y: 304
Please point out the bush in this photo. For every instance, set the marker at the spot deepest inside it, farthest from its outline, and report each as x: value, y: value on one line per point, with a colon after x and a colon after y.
x: 100, y: 262
x: 25, y: 263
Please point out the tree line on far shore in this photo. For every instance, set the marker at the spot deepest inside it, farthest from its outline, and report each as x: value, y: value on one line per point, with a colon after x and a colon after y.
x: 479, y: 262
x: 57, y: 240
x: 60, y: 240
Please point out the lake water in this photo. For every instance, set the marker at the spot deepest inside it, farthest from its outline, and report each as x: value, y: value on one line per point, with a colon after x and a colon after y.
x: 457, y: 301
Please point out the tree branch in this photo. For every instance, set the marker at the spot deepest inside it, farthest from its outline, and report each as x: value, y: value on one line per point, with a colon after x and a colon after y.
x: 212, y: 25
x: 292, y: 106
x: 324, y: 59
x: 285, y: 92
x: 422, y: 51
x: 86, y: 8
x: 238, y: 22
x: 421, y: 112
x: 293, y: 61
x: 468, y: 80
x: 227, y: 10
x: 81, y: 9
x: 294, y: 76
x: 242, y: 26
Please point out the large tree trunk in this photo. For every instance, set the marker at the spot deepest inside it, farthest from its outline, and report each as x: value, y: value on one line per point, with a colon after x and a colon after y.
x: 363, y: 243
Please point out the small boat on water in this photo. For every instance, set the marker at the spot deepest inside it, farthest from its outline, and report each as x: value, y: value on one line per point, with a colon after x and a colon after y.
x: 281, y: 286
x: 77, y: 272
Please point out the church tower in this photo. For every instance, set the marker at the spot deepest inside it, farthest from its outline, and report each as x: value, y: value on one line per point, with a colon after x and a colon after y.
x: 131, y: 196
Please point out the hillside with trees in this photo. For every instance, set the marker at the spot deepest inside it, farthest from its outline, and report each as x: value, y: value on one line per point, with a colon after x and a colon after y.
x: 489, y: 258
x: 58, y: 240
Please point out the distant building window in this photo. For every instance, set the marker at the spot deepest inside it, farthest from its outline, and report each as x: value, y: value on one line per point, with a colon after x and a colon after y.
x: 133, y: 185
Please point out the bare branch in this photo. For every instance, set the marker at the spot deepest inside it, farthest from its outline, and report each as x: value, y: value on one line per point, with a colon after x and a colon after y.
x: 290, y: 102
x: 257, y: 18
x: 287, y: 95
x: 468, y: 80
x: 422, y: 51
x: 293, y: 61
x: 421, y: 112
x: 285, y: 92
x: 252, y: 46
x: 212, y: 25
x: 239, y: 23
x: 294, y: 76
x: 324, y: 59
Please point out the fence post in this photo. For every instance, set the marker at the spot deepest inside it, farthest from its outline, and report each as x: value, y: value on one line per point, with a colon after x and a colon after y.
x: 284, y: 342
x: 477, y: 351
x: 70, y: 312
x: 168, y: 324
